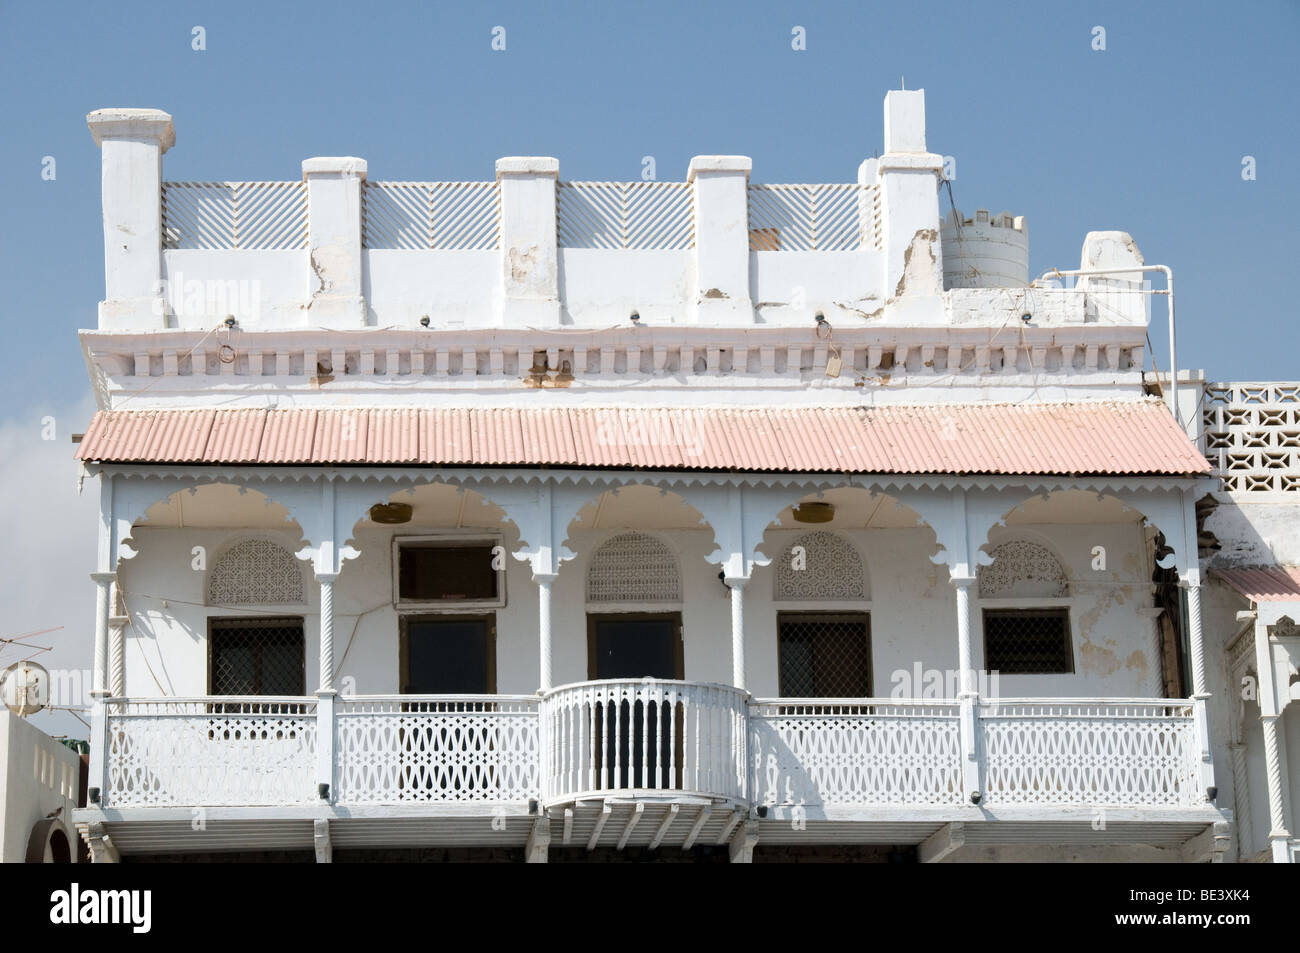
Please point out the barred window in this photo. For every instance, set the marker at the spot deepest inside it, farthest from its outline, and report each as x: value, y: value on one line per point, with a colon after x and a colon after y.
x: 1028, y: 641
x: 824, y: 655
x: 257, y: 656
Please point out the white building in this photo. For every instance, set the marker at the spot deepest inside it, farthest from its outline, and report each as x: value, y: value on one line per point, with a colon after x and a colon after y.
x: 546, y: 516
x: 39, y: 788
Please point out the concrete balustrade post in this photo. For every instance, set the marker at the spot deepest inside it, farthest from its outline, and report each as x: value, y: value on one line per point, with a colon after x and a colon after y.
x: 720, y: 189
x: 530, y: 263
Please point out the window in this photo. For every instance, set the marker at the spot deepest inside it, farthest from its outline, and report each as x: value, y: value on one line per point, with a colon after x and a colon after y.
x: 1028, y: 641
x: 449, y: 572
x: 821, y: 567
x: 633, y: 568
x: 449, y: 655
x: 256, y: 572
x: 824, y: 655
x: 256, y: 657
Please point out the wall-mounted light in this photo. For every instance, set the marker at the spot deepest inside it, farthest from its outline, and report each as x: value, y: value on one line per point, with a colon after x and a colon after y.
x: 391, y: 514
x: 814, y: 512
x: 636, y: 317
x: 424, y: 320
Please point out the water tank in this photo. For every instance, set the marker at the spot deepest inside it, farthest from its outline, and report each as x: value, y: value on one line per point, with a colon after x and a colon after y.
x: 985, y: 251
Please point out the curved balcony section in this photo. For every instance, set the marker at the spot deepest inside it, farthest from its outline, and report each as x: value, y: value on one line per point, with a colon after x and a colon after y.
x: 215, y: 751
x: 644, y: 738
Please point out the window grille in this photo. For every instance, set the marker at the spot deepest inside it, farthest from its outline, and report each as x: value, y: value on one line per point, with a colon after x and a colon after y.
x: 1028, y: 641
x: 633, y: 567
x: 825, y: 656
x: 820, y: 566
x: 257, y: 656
x: 1021, y: 570
x: 255, y: 572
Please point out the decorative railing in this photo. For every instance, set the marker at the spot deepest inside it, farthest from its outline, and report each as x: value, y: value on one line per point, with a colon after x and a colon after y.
x: 1096, y: 753
x: 833, y: 217
x: 657, y: 215
x: 644, y: 736
x: 238, y: 215
x: 647, y: 737
x: 432, y: 215
x: 819, y: 751
x: 1252, y: 435
x: 210, y: 751
x: 400, y: 748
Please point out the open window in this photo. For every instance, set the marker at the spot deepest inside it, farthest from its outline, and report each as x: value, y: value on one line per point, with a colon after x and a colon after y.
x: 432, y: 573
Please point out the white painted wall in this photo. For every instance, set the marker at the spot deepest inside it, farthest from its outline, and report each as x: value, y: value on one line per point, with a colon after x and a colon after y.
x: 40, y: 775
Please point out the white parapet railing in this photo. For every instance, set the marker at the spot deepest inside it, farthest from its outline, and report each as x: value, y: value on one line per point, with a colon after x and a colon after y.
x: 236, y: 215
x: 1252, y: 435
x: 216, y: 751
x: 834, y: 217
x: 827, y: 751
x: 644, y: 736
x: 1087, y: 752
x: 401, y: 748
x: 432, y: 215
x: 621, y: 215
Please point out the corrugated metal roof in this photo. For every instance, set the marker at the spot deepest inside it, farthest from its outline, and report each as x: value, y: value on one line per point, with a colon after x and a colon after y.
x: 1263, y: 583
x: 1084, y: 438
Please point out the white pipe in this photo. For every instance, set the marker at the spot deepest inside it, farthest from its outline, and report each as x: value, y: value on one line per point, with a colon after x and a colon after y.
x: 1169, y: 290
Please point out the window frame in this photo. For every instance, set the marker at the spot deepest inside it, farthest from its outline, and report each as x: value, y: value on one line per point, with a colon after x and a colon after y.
x: 445, y: 540
x: 839, y: 614
x: 403, y: 644
x: 1063, y: 604
x: 245, y: 620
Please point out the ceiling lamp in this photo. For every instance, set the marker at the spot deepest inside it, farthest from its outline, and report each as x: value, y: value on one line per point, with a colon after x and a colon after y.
x: 815, y: 512
x: 390, y: 514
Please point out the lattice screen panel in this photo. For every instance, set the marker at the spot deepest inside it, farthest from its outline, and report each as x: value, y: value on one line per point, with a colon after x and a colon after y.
x: 811, y: 217
x: 432, y: 215
x: 237, y: 215
x: 1252, y: 435
x: 658, y: 215
x: 255, y: 572
x: 1028, y: 641
x: 821, y: 566
x: 1020, y: 570
x: 633, y: 567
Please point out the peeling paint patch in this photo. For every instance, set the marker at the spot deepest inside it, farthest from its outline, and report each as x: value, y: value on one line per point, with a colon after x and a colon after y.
x: 522, y: 262
x: 1138, y: 661
x: 919, y: 265
x: 1095, y: 660
x: 714, y: 293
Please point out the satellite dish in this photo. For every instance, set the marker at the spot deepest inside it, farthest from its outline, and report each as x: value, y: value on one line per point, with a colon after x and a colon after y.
x: 25, y: 688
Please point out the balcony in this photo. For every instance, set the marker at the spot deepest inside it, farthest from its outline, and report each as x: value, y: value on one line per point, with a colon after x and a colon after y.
x: 689, y: 761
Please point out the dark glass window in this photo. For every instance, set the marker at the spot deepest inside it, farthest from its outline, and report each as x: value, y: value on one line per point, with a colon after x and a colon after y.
x: 825, y: 656
x: 257, y: 656
x: 1028, y: 641
x: 433, y: 573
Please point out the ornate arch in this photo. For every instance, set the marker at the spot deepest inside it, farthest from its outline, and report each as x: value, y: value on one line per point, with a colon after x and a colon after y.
x: 1022, y: 569
x: 828, y: 568
x: 633, y: 567
x: 255, y: 571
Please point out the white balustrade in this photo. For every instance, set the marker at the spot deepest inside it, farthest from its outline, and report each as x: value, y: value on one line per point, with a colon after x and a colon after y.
x: 1138, y: 753
x: 644, y: 736
x: 399, y: 748
x: 648, y: 737
x: 218, y: 751
x: 825, y: 751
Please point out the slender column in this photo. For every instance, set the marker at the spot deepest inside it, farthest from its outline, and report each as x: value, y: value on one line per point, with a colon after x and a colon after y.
x: 737, y: 586
x: 1274, y: 760
x: 968, y: 697
x: 546, y: 659
x: 1241, y: 800
x: 325, y: 695
x: 117, y: 622
x: 1191, y: 580
x: 98, y: 776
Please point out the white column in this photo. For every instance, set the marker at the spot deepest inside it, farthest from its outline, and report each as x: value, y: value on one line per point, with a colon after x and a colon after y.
x: 1241, y: 800
x: 546, y: 659
x: 1200, y: 693
x: 334, y: 186
x: 737, y: 586
x: 117, y: 622
x: 530, y: 275
x: 1275, y: 766
x: 326, y: 580
x: 98, y: 775
x: 721, y: 201
x: 325, y: 694
x: 968, y: 697
x: 132, y: 143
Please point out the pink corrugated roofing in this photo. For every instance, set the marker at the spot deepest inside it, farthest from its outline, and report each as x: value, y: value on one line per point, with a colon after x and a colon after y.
x: 1117, y: 438
x: 1264, y: 583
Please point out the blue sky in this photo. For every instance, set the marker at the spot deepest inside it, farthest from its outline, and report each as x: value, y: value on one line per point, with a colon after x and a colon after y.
x: 1147, y: 136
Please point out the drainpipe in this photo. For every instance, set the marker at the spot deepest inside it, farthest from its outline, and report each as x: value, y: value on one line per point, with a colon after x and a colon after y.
x: 1168, y: 291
